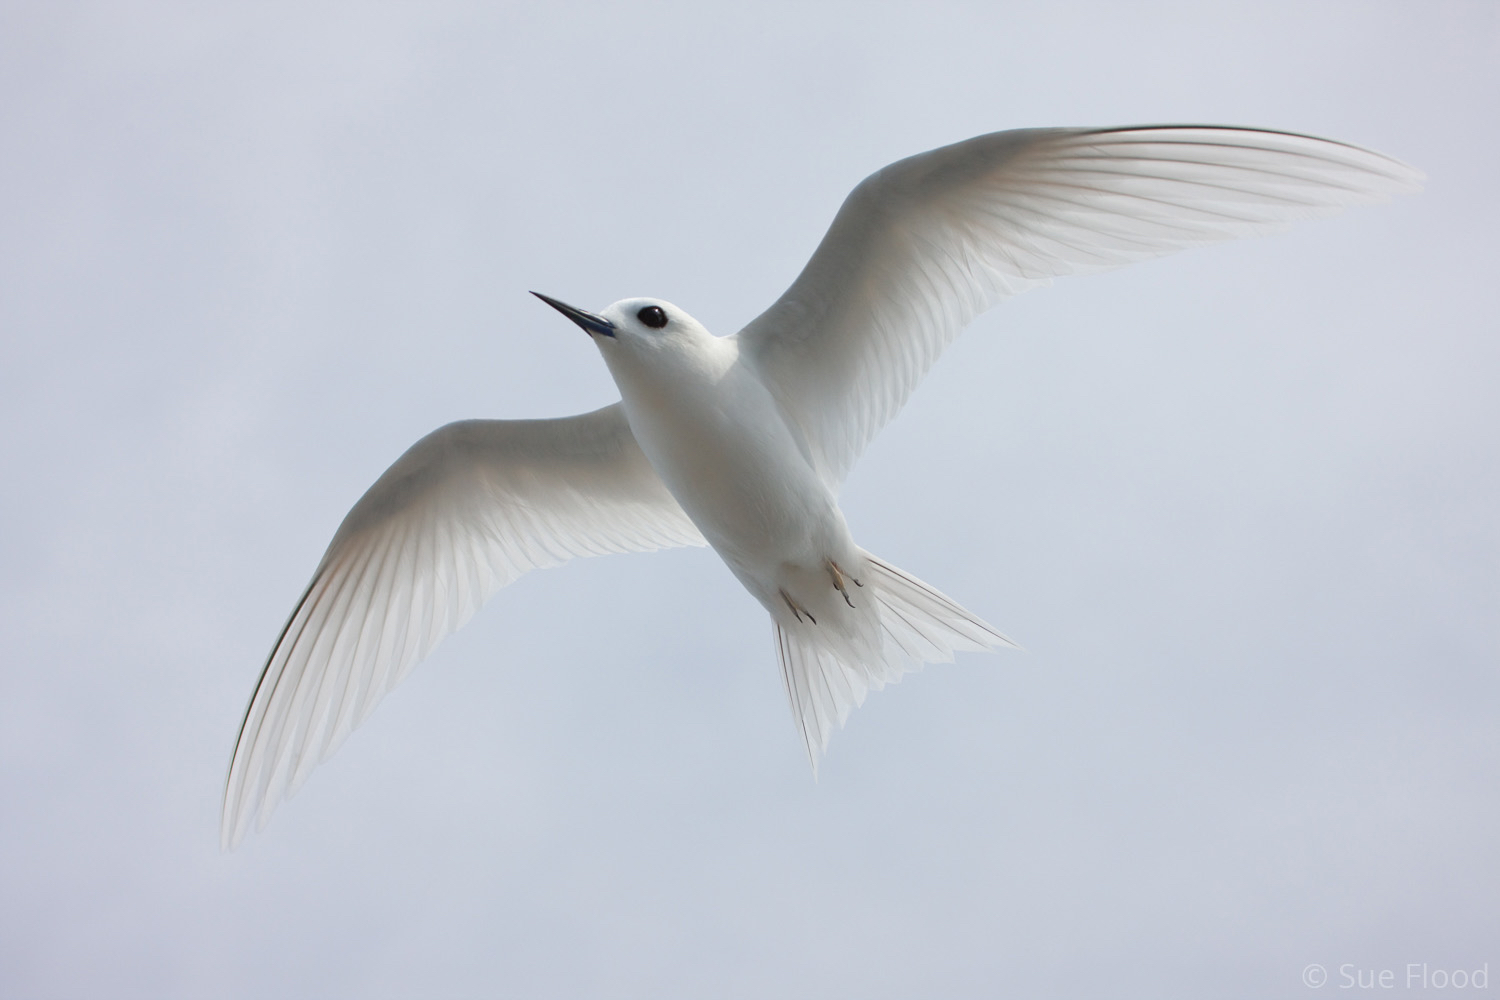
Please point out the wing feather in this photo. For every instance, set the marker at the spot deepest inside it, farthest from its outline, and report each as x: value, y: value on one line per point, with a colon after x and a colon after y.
x: 465, y: 511
x: 923, y: 246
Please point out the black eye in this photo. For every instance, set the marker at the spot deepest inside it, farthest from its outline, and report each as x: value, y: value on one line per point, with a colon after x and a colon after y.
x: 653, y: 316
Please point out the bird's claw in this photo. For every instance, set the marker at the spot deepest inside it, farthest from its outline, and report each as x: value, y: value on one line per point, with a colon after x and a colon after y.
x: 838, y: 581
x: 796, y: 610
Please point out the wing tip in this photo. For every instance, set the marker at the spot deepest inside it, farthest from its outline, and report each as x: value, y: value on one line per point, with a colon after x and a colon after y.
x: 1406, y: 177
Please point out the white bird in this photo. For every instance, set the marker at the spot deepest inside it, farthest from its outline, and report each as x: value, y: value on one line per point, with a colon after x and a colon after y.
x: 742, y: 442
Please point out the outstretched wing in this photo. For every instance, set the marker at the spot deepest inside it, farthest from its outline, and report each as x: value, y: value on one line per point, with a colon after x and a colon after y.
x: 465, y: 511
x: 923, y: 246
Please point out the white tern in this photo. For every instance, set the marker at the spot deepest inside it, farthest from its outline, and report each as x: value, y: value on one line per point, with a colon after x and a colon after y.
x: 742, y: 442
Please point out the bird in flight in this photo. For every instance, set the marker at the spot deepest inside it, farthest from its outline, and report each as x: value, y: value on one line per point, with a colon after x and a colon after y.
x: 742, y: 442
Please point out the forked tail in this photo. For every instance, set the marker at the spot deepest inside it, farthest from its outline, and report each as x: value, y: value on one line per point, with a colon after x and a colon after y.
x: 918, y: 625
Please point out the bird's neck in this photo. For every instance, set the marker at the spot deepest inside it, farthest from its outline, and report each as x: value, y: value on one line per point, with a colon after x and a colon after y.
x: 674, y: 374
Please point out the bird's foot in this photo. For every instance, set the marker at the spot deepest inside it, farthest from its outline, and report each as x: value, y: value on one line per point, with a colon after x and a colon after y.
x: 797, y: 609
x: 838, y: 581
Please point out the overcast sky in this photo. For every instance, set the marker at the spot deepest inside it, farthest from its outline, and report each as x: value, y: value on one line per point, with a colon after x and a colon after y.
x: 1239, y: 505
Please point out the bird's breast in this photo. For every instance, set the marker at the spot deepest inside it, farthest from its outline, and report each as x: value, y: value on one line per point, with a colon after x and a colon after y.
x: 724, y: 449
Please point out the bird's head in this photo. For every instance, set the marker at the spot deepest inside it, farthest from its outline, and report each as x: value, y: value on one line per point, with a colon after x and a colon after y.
x: 645, y: 330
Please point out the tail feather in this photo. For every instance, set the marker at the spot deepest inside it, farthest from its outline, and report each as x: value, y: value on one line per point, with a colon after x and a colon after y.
x: 919, y: 624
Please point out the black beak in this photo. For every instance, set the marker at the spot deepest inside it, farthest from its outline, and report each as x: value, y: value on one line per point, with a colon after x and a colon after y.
x: 587, y: 320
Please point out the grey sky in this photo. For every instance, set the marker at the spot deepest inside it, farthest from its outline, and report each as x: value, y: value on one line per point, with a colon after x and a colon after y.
x: 1238, y: 504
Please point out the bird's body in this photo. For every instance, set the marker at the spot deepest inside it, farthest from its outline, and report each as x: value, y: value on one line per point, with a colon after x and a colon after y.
x: 742, y: 442
x: 714, y: 432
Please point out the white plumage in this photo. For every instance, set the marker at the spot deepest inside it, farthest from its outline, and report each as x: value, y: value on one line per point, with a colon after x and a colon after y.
x: 743, y: 442
x: 465, y: 511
